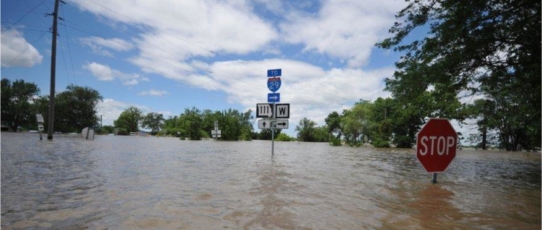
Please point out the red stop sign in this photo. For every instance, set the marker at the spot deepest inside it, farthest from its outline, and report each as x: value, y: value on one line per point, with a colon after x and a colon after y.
x: 436, y: 144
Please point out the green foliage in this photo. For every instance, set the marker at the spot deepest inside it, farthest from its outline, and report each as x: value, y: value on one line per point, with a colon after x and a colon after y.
x: 153, y: 121
x: 356, y: 122
x: 204, y: 134
x: 17, y: 103
x: 476, y: 47
x: 265, y: 134
x: 334, y: 141
x: 190, y: 122
x: 129, y: 119
x: 284, y: 137
x: 195, y: 124
x: 380, y: 143
x: 333, y: 123
x: 75, y: 109
x: 122, y: 132
x: 308, y: 132
x: 107, y: 129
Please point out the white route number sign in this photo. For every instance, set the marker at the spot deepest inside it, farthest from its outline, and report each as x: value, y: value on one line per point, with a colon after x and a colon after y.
x: 266, y: 110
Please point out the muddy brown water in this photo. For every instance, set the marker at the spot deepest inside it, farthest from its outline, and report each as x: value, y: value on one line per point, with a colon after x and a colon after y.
x: 117, y: 182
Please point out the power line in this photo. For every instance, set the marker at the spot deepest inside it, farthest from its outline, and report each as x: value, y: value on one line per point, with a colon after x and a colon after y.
x: 64, y: 60
x: 69, y: 50
x: 27, y: 13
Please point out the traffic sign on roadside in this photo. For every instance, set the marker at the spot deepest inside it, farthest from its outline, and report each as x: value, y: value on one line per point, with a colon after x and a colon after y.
x: 264, y: 110
x: 273, y: 97
x: 264, y: 124
x: 274, y: 72
x: 281, y: 124
x: 436, y: 145
x: 282, y: 110
x: 273, y: 84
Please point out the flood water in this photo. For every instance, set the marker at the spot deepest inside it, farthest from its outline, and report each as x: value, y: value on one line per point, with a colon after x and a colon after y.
x: 119, y: 182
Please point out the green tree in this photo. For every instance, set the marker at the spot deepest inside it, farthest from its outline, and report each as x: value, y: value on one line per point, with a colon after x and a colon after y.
x: 190, y: 122
x: 308, y: 131
x: 284, y: 137
x: 488, y: 47
x: 17, y: 103
x: 75, y: 109
x: 355, y: 122
x: 381, y: 122
x: 265, y: 134
x: 333, y: 123
x: 153, y: 121
x: 107, y: 129
x: 129, y: 119
x: 171, y: 126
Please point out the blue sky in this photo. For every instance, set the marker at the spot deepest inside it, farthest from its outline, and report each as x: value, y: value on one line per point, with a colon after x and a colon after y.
x: 165, y: 56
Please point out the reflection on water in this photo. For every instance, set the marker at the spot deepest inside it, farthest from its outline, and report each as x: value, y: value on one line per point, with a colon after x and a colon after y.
x: 164, y: 183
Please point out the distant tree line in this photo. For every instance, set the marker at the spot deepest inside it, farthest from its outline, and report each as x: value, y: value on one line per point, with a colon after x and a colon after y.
x: 194, y: 124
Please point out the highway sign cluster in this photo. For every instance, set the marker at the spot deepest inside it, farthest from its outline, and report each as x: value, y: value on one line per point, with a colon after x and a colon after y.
x: 272, y: 112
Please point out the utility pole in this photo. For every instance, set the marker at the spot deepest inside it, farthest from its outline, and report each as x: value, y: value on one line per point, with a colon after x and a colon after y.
x: 53, y: 69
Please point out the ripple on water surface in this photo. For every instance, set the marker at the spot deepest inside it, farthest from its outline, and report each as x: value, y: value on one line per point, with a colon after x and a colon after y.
x: 121, y: 182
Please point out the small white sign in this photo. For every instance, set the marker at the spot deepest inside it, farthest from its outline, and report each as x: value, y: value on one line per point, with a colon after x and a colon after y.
x: 39, y: 117
x: 264, y: 124
x: 216, y: 133
x: 281, y: 124
x: 282, y: 111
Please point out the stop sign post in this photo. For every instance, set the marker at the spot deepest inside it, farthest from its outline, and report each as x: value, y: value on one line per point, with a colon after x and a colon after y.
x: 436, y: 145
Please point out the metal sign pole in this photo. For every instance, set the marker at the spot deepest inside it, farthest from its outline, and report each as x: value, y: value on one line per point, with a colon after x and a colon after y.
x: 273, y: 131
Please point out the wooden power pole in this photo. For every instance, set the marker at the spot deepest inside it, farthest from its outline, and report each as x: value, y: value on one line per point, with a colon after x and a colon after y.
x: 53, y: 69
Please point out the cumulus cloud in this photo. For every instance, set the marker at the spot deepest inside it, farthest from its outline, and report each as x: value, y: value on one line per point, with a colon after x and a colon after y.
x: 16, y: 51
x: 105, y: 73
x: 153, y: 92
x: 111, y: 109
x: 345, y: 29
x: 187, y: 28
x: 101, y: 45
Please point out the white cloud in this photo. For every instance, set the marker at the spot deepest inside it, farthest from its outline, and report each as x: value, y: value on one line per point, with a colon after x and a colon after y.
x: 16, y: 51
x: 345, y: 29
x: 111, y: 109
x: 188, y: 28
x: 98, y: 45
x: 105, y: 73
x: 153, y: 92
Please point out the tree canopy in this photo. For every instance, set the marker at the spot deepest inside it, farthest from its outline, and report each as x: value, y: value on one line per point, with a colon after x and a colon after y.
x: 75, y: 108
x: 129, y: 120
x: 17, y: 103
x: 487, y: 48
x: 153, y: 121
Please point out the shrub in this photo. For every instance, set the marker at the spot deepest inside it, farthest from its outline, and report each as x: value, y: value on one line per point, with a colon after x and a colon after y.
x: 335, y: 141
x: 381, y: 143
